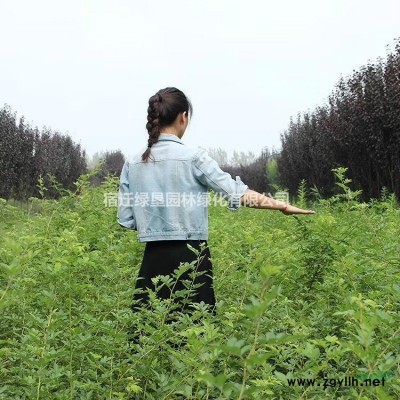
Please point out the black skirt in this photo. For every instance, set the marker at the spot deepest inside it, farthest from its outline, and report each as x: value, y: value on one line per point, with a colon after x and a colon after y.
x: 162, y: 257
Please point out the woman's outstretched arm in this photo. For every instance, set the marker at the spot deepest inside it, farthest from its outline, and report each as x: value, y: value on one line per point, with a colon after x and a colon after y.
x: 254, y: 199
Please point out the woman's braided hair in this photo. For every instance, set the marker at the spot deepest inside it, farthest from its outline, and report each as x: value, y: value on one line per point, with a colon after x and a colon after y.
x: 163, y: 109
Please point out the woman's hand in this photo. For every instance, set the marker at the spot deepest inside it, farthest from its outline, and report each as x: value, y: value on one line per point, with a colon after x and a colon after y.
x: 251, y: 198
x: 294, y: 210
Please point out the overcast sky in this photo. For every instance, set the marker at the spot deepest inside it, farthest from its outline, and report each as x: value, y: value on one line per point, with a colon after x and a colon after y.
x: 88, y: 68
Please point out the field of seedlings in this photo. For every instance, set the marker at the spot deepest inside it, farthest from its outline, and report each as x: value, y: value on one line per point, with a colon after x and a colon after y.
x: 308, y: 306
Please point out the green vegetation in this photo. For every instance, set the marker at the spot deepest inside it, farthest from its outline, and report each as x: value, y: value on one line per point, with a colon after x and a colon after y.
x: 298, y: 297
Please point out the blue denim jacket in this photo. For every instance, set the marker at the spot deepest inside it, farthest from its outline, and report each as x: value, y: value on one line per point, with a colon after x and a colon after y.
x: 167, y: 199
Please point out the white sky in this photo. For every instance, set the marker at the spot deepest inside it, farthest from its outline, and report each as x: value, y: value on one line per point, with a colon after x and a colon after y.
x: 88, y: 68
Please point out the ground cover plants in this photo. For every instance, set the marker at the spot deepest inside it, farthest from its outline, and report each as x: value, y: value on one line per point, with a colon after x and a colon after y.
x: 299, y: 297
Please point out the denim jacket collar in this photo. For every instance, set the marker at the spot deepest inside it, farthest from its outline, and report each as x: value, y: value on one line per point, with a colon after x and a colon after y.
x: 169, y: 136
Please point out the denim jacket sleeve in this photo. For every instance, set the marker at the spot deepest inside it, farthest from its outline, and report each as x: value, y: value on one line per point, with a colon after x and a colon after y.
x: 125, y: 216
x: 207, y: 171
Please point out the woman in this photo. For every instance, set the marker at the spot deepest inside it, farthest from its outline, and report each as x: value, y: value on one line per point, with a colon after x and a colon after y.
x: 163, y: 196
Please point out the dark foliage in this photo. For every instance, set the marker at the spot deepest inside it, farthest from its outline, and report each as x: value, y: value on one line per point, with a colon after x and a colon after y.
x: 26, y: 154
x: 358, y: 129
x: 111, y: 162
x: 254, y: 174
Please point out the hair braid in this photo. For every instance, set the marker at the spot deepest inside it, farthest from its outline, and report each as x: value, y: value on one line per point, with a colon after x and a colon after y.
x: 163, y: 109
x: 153, y: 122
